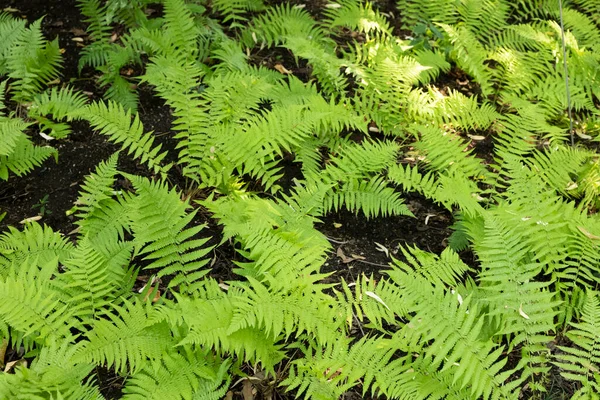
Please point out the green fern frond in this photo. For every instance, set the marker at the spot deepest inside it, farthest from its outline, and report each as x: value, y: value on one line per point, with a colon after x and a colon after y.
x: 284, y: 312
x: 579, y: 362
x: 33, y: 309
x: 469, y: 54
x: 159, y: 221
x: 11, y: 30
x: 526, y: 307
x: 95, y: 277
x: 125, y: 339
x: 207, y: 321
x: 97, y: 187
x: 52, y: 375
x: 114, y: 121
x: 444, y: 150
x: 357, y: 160
x: 234, y: 10
x: 177, y: 376
x: 414, y: 12
x: 181, y: 29
x: 34, y: 241
x: 32, y: 62
x: 358, y: 17
x: 373, y: 197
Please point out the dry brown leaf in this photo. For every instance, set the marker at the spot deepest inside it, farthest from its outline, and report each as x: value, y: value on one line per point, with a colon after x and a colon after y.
x: 13, y: 364
x: 340, y: 254
x: 588, y: 233
x: 30, y: 219
x: 572, y: 185
x: 281, y: 69
x: 477, y: 138
x: 522, y: 313
x: 156, y: 295
x: 229, y: 395
x: 583, y: 135
x: 46, y: 137
x: 248, y: 390
x: 382, y: 248
x: 78, y: 32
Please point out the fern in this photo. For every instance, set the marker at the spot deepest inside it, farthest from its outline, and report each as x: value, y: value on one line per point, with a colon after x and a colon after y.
x: 19, y: 156
x: 112, y: 120
x: 125, y: 339
x: 580, y: 360
x: 32, y: 62
x: 159, y: 222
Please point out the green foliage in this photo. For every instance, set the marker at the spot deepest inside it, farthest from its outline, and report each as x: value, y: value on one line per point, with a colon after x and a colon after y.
x: 366, y: 120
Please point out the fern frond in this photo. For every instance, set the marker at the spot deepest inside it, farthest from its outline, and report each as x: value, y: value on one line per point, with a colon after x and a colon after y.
x: 159, y: 221
x: 233, y: 10
x: 125, y: 340
x: 280, y: 311
x: 179, y: 376
x: 208, y: 321
x: 95, y: 276
x: 579, y: 361
x: 53, y: 374
x: 33, y: 242
x: 372, y: 197
x: 35, y: 311
x: 470, y: 55
x: 114, y: 121
x: 32, y: 62
x: 24, y: 157
x: 181, y: 29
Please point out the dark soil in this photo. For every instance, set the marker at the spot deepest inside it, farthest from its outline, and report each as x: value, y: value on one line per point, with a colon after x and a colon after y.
x: 59, y: 183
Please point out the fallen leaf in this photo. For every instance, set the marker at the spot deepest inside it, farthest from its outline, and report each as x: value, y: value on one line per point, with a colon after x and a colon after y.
x: 357, y: 257
x: 333, y: 5
x: 572, y: 185
x: 382, y: 248
x: 11, y: 9
x: 340, y: 254
x: 337, y: 225
x: 374, y: 129
x: 282, y: 69
x: 522, y: 313
x: 9, y: 366
x: 77, y: 39
x: 377, y: 298
x: 588, y: 233
x: 477, y: 138
x: 229, y: 395
x: 78, y: 32
x: 247, y: 390
x: 47, y: 137
x: 114, y: 37
x: 30, y: 219
x: 583, y: 135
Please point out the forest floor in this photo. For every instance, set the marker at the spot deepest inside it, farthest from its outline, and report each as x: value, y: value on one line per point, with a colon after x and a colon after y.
x: 359, y: 245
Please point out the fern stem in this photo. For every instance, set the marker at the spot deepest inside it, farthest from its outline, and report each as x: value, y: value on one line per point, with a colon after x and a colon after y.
x: 564, y: 50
